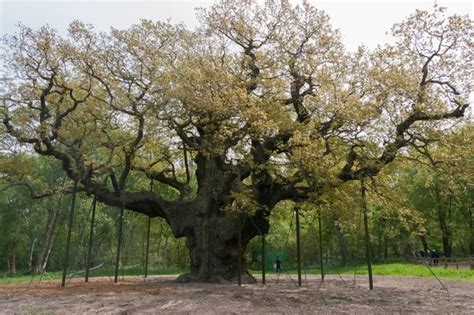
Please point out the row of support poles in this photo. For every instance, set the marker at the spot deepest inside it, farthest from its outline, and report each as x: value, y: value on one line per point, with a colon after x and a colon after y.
x: 367, y: 235
x: 119, y: 245
x: 321, y: 246
x: 91, y: 235
x: 298, y: 244
x: 68, y: 241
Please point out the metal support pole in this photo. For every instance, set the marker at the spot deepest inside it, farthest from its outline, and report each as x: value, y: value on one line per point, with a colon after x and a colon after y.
x: 367, y: 235
x: 298, y: 245
x: 119, y: 245
x: 68, y: 241
x: 263, y: 258
x: 91, y: 235
x: 321, y: 246
x: 147, y: 247
x: 148, y: 237
x: 239, y: 241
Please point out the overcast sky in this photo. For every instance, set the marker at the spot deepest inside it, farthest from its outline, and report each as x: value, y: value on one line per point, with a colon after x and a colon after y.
x: 359, y: 21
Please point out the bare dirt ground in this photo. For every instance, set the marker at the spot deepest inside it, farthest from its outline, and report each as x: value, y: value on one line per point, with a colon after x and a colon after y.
x: 161, y: 295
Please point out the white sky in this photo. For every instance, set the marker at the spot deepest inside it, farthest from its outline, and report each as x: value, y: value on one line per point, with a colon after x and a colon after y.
x: 359, y: 21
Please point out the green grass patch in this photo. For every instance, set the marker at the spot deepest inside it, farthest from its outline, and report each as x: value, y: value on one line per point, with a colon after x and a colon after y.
x: 391, y: 269
x: 25, y: 278
x: 398, y: 269
x: 100, y: 272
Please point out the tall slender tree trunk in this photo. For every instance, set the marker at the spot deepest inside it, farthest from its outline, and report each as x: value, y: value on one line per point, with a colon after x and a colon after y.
x: 32, y: 251
x: 470, y: 220
x: 12, y: 259
x: 424, y: 243
x: 445, y: 232
x: 48, y: 240
x: 158, y: 251
x: 381, y: 241
x: 468, y: 214
x: 396, y: 250
x: 177, y: 258
x: 165, y: 250
x: 342, y: 243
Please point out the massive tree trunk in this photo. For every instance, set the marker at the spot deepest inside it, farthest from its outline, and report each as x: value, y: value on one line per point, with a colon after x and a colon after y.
x: 213, y: 249
x: 212, y: 229
x: 214, y: 254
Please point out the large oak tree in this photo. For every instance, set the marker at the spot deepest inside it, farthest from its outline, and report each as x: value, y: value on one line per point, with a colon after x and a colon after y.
x: 261, y: 104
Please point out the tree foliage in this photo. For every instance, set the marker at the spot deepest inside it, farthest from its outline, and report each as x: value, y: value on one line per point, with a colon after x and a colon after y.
x: 262, y: 102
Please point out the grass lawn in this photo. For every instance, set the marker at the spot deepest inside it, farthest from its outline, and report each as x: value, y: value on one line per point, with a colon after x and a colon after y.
x: 101, y: 272
x: 399, y: 269
x: 391, y: 269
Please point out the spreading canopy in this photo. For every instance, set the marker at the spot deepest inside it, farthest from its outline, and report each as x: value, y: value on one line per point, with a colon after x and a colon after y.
x: 262, y: 103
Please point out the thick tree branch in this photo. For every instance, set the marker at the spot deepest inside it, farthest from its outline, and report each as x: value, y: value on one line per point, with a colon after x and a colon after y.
x: 390, y: 151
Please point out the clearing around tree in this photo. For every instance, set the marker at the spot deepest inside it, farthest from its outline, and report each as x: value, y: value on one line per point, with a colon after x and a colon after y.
x: 161, y: 294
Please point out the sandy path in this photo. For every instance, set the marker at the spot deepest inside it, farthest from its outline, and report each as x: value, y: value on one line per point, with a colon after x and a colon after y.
x: 160, y: 294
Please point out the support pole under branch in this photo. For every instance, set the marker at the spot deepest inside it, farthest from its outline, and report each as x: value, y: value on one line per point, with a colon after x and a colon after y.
x: 321, y: 246
x: 239, y: 241
x: 263, y: 258
x: 367, y: 235
x: 298, y: 244
x: 147, y: 247
x: 68, y: 241
x: 119, y: 244
x: 91, y: 235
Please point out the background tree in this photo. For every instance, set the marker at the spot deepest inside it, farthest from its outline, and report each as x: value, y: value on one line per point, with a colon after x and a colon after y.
x: 442, y: 190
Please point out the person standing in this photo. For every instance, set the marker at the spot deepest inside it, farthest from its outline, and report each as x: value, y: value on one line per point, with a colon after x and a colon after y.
x: 277, y: 265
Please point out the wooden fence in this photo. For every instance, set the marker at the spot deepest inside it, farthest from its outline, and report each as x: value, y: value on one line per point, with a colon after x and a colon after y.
x: 446, y: 262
